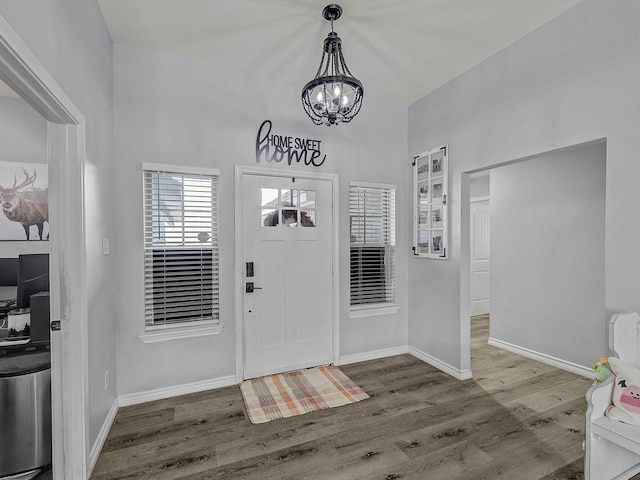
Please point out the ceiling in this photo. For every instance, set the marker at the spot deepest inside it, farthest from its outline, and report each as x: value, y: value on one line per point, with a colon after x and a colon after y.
x: 400, y: 50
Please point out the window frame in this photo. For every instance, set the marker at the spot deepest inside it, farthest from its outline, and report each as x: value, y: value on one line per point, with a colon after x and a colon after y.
x: 378, y: 308
x: 192, y: 328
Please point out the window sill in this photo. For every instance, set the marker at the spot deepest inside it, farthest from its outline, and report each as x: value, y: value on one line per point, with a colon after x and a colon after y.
x: 373, y: 310
x: 164, y: 334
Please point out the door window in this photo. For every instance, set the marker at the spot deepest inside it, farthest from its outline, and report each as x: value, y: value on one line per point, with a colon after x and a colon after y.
x: 288, y: 207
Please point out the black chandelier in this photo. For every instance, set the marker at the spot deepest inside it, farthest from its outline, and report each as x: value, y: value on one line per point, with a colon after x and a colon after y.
x: 334, y: 95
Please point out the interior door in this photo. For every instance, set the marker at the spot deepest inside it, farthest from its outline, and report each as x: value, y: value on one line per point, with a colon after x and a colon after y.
x: 288, y: 280
x: 480, y: 258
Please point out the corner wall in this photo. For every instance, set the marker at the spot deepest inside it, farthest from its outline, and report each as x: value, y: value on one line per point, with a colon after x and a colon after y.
x: 71, y: 41
x: 574, y: 80
x: 175, y: 111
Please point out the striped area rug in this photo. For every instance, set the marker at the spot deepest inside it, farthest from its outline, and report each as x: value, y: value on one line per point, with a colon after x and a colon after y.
x: 295, y: 393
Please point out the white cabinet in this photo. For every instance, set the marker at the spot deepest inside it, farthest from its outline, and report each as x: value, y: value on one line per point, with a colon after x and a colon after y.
x: 430, y: 210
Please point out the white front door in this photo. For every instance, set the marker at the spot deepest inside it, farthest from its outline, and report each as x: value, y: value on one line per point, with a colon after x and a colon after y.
x: 287, y: 273
x: 480, y: 258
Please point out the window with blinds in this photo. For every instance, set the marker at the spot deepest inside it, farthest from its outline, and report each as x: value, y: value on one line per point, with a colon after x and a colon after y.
x: 181, y: 246
x: 372, y: 262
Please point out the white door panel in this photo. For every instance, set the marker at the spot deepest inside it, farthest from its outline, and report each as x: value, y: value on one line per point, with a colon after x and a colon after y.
x: 480, y: 258
x: 288, y: 318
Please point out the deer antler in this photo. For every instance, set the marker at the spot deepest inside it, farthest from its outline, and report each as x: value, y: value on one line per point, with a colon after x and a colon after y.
x: 28, y: 180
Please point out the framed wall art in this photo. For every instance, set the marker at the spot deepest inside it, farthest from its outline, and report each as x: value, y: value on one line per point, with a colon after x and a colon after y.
x: 430, y: 218
x: 24, y: 201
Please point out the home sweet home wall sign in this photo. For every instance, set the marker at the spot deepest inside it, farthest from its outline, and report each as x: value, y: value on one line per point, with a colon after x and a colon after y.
x: 278, y: 148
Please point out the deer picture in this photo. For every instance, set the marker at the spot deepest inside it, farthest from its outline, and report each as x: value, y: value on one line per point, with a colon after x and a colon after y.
x: 26, y: 206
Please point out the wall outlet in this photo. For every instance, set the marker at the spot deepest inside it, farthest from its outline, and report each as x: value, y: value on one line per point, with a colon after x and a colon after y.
x: 106, y: 379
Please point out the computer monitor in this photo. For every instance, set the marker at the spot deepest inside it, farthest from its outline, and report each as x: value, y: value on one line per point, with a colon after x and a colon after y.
x: 33, y: 277
x: 8, y: 272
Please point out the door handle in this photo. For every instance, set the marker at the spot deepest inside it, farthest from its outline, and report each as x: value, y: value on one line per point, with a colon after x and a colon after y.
x: 55, y: 326
x: 250, y: 287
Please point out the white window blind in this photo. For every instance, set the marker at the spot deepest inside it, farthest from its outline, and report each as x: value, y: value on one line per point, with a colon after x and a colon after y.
x: 181, y: 247
x: 372, y: 214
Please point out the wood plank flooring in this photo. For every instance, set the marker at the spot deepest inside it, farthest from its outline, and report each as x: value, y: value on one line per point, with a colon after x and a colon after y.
x: 517, y: 419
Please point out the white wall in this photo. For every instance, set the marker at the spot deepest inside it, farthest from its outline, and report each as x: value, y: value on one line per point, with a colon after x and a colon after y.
x: 70, y: 39
x: 174, y: 111
x: 23, y: 136
x: 573, y: 80
x: 480, y: 185
x: 547, y: 253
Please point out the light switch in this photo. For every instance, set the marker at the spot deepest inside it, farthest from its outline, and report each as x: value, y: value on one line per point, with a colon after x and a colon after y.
x: 105, y: 246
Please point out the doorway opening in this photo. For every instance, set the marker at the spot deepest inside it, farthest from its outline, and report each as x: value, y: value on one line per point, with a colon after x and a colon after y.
x: 25, y: 75
x: 546, y: 277
x: 480, y: 259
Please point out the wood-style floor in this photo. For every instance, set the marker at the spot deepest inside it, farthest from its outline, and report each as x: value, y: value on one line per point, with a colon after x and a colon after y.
x: 517, y: 419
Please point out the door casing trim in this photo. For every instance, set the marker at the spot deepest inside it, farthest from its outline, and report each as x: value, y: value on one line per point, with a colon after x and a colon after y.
x: 240, y: 171
x: 24, y: 74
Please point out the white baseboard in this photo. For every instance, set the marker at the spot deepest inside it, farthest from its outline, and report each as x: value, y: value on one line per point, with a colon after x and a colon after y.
x: 440, y: 365
x: 543, y: 357
x: 149, y: 396
x: 175, y: 390
x: 102, y: 435
x: 419, y: 354
x: 363, y: 357
x: 629, y: 473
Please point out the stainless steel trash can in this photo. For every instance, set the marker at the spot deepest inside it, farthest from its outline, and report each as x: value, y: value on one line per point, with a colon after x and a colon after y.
x: 25, y: 412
